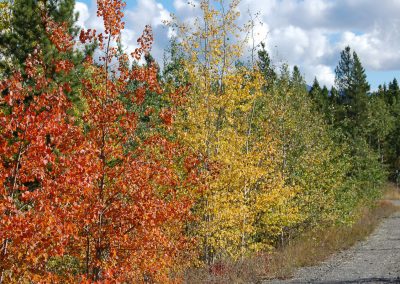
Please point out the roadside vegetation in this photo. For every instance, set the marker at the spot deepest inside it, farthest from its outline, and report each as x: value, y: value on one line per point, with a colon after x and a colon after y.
x: 219, y: 166
x: 308, y: 248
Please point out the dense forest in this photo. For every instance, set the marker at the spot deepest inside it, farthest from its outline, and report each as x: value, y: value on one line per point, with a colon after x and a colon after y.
x: 116, y: 170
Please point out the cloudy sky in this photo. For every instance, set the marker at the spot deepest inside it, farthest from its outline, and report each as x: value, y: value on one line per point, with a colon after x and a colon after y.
x: 307, y: 33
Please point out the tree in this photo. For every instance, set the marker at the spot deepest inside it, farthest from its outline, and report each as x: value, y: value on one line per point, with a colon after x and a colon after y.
x: 308, y: 156
x: 315, y: 89
x: 353, y: 88
x: 343, y: 71
x: 380, y: 124
x: 353, y: 122
x: 4, y: 15
x: 220, y: 122
x: 393, y: 94
x: 357, y: 94
x: 297, y: 79
x: 79, y: 203
x: 33, y: 135
x: 173, y: 72
x: 320, y: 97
x: 27, y: 31
x: 265, y: 65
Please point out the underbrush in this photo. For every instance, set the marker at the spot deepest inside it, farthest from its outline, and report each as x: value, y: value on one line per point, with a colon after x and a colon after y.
x: 392, y: 192
x: 308, y: 249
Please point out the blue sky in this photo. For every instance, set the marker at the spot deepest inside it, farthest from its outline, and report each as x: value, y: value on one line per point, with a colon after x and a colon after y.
x: 307, y: 33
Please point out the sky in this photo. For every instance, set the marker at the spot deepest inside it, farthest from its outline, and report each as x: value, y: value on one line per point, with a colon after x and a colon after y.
x: 306, y: 33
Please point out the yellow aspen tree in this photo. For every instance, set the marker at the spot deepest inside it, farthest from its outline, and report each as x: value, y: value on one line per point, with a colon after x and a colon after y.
x: 218, y: 122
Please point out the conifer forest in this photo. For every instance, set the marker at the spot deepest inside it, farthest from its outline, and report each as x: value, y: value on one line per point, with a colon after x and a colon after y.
x: 118, y: 167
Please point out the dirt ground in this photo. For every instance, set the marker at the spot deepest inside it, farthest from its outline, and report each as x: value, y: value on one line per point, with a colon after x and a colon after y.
x: 375, y: 260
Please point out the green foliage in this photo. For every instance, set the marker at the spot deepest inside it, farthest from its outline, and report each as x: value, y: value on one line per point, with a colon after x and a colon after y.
x: 27, y: 31
x: 64, y: 266
x: 364, y: 123
x: 274, y: 158
x: 385, y: 130
x: 27, y: 34
x: 320, y: 97
x: 265, y: 66
x: 311, y: 162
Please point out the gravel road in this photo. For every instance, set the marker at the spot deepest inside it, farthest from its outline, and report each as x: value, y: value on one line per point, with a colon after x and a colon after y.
x: 375, y: 260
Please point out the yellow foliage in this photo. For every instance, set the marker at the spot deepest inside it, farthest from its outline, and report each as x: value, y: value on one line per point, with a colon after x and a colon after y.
x: 248, y: 197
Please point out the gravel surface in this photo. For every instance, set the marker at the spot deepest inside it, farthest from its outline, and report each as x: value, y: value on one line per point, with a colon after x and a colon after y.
x: 375, y: 260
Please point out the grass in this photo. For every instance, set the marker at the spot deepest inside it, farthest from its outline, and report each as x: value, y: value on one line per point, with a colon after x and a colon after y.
x: 308, y: 249
x: 392, y: 192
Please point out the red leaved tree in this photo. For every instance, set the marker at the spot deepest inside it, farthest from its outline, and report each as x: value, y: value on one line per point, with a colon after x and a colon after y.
x: 87, y: 199
x: 34, y: 130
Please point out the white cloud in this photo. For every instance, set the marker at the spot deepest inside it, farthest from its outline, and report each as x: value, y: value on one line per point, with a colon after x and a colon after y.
x: 186, y: 6
x: 324, y: 74
x: 146, y: 12
x: 378, y: 49
x: 307, y: 33
x: 311, y: 33
x: 83, y: 11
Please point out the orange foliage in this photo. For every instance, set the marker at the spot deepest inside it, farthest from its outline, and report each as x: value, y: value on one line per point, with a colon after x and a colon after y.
x: 81, y: 190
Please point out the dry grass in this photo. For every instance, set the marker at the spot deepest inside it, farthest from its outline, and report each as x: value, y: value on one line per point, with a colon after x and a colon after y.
x: 316, y: 246
x: 308, y: 249
x: 392, y: 192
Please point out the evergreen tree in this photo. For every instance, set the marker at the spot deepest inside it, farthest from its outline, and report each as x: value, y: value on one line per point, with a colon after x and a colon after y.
x: 344, y: 71
x: 297, y: 79
x: 357, y: 97
x: 28, y: 31
x: 393, y: 94
x: 315, y: 88
x: 392, y: 149
x: 352, y: 119
x: 325, y: 94
x: 334, y: 97
x: 353, y: 88
x: 27, y: 34
x: 320, y: 98
x: 265, y: 65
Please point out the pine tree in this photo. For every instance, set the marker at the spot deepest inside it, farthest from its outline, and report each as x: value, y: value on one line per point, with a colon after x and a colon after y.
x: 265, y: 65
x: 297, y: 79
x: 355, y: 127
x: 343, y: 71
x: 357, y: 96
x: 174, y: 75
x: 351, y: 82
x: 315, y: 88
x: 27, y: 31
x: 320, y: 98
x: 392, y: 98
x: 393, y: 94
x: 325, y: 95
